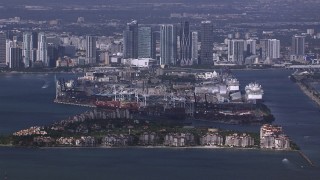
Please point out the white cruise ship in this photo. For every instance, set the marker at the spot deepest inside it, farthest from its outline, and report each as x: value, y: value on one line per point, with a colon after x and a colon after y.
x: 254, y: 91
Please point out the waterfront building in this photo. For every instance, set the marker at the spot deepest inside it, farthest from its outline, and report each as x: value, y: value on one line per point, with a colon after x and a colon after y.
x: 206, y: 50
x: 42, y: 52
x: 185, y: 44
x: 168, y: 44
x: 148, y: 138
x: 130, y: 40
x: 211, y: 139
x: 179, y: 139
x: 117, y: 140
x: 194, y: 47
x: 236, y: 51
x: 27, y: 49
x: 271, y: 137
x: 268, y: 129
x: 86, y: 141
x: 91, y: 51
x: 236, y: 140
x: 145, y: 41
x: 3, y: 38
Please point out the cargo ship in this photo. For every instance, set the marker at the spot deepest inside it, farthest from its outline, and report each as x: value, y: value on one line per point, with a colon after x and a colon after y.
x: 117, y: 105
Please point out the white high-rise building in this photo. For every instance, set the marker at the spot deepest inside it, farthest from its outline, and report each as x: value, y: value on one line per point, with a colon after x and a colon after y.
x: 42, y: 52
x: 236, y: 51
x: 270, y: 49
x: 274, y: 48
x: 194, y: 47
x: 27, y: 49
x: 91, y: 51
x: 168, y: 44
x: 9, y: 45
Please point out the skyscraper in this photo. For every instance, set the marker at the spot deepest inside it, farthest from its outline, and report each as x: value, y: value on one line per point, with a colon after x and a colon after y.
x: 15, y: 58
x: 236, y: 51
x: 130, y: 40
x: 250, y: 47
x: 91, y: 50
x: 2, y: 49
x: 274, y: 48
x: 168, y: 45
x: 185, y: 44
x: 27, y: 49
x: 145, y: 42
x: 270, y: 49
x: 9, y: 45
x: 42, y: 53
x: 52, y: 54
x: 206, y: 51
x: 298, y: 45
x: 194, y: 44
x: 154, y: 45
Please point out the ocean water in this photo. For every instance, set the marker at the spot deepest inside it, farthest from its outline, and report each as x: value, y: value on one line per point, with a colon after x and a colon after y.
x: 23, y: 103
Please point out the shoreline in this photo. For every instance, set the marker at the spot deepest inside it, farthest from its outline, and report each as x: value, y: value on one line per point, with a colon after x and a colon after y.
x: 154, y: 147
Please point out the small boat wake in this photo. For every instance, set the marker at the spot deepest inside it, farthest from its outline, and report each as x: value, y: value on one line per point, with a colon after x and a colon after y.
x: 45, y: 85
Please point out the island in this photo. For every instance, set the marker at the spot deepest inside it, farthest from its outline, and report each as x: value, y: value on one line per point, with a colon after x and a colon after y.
x: 101, y: 128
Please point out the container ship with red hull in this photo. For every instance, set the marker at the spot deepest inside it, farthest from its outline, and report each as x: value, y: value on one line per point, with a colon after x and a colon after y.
x: 117, y: 105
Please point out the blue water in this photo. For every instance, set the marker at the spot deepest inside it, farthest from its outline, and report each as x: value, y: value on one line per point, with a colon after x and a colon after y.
x: 317, y: 86
x: 23, y: 102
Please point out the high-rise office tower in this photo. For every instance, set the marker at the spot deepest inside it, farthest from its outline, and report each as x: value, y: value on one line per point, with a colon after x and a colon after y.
x: 270, y: 49
x: 264, y: 45
x: 250, y: 47
x: 42, y: 52
x: 130, y: 40
x: 168, y: 44
x: 185, y: 44
x: 91, y: 50
x: 154, y: 45
x: 27, y: 49
x: 15, y: 58
x: 298, y: 45
x: 3, y: 38
x: 145, y: 42
x: 206, y: 50
x: 236, y: 51
x: 194, y: 47
x: 35, y: 40
x: 53, y: 54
